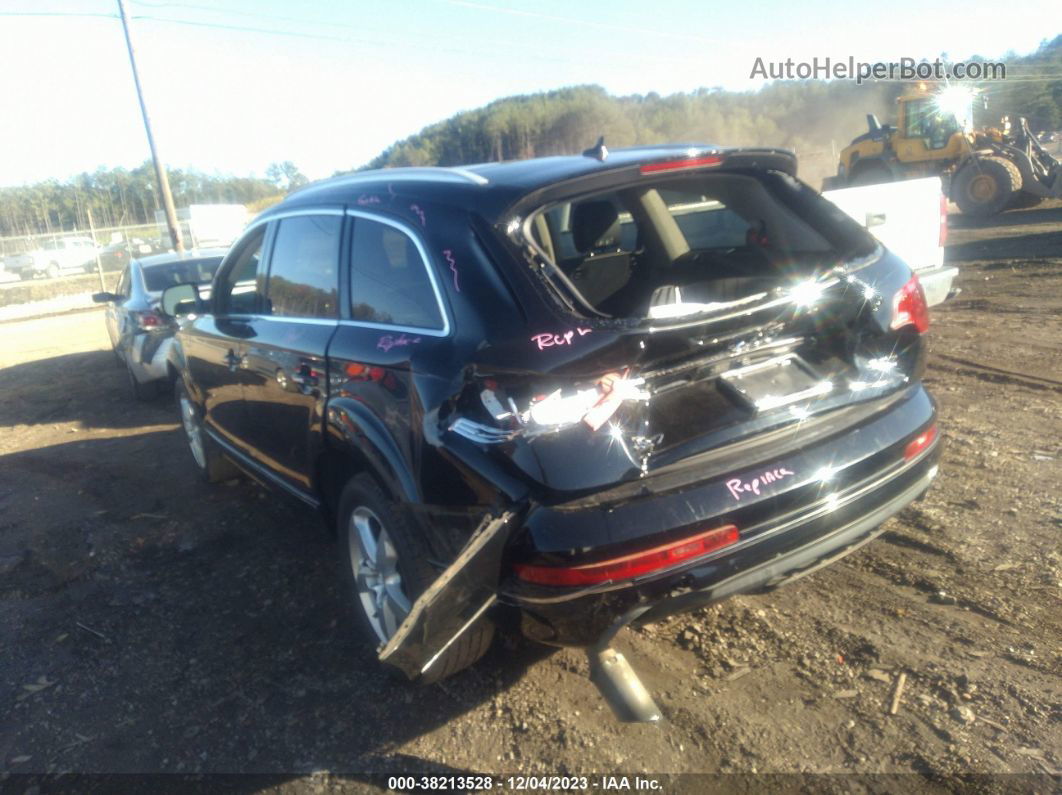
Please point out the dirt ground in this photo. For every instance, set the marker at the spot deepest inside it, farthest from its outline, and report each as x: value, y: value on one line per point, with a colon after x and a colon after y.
x: 149, y: 623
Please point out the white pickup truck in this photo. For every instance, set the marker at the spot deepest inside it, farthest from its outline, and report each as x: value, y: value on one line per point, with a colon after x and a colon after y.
x: 910, y: 218
x: 57, y: 257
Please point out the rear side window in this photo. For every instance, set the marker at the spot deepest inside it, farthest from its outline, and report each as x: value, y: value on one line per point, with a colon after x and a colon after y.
x: 198, y: 271
x: 304, y: 267
x: 390, y: 284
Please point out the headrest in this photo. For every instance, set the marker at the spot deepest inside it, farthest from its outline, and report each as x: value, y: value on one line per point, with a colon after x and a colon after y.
x: 594, y: 222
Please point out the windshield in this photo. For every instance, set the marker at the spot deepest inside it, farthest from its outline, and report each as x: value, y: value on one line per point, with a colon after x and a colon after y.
x: 198, y: 271
x: 684, y: 245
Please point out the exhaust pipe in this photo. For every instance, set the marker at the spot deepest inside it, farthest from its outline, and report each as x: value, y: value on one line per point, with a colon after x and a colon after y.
x: 621, y: 688
x: 616, y: 680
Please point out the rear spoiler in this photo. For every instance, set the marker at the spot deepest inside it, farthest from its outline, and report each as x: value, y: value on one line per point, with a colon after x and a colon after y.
x: 767, y: 159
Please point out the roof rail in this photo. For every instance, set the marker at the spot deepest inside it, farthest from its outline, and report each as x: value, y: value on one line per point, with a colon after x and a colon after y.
x: 402, y: 174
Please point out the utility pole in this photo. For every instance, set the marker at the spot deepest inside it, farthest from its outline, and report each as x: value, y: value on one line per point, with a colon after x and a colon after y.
x: 96, y: 248
x: 160, y: 171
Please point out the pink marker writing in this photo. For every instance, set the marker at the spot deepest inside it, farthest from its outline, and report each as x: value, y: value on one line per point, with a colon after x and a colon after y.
x: 453, y: 266
x: 738, y: 487
x: 388, y: 341
x: 548, y: 340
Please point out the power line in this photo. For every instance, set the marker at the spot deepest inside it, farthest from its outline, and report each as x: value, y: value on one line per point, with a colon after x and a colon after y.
x: 379, y: 36
x: 380, y: 44
x: 583, y: 22
x: 56, y: 14
x: 253, y: 14
x: 248, y: 29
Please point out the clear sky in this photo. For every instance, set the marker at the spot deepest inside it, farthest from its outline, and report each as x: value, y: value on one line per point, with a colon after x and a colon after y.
x: 233, y: 85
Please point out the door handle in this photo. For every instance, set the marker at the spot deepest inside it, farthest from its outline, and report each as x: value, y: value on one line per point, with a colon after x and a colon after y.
x: 306, y: 380
x: 232, y: 360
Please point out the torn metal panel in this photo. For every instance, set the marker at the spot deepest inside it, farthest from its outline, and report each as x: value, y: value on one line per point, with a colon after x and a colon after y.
x: 451, y: 604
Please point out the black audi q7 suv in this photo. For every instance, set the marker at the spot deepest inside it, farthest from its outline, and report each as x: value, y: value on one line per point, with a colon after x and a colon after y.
x: 571, y: 393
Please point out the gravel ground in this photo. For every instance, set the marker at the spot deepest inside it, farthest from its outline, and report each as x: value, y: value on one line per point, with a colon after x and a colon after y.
x: 149, y: 623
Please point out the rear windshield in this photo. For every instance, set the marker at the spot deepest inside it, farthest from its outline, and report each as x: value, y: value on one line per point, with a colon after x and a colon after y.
x: 198, y: 271
x: 676, y: 245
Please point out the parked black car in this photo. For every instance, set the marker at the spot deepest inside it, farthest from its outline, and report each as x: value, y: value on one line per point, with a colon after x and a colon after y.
x: 117, y: 255
x: 574, y: 392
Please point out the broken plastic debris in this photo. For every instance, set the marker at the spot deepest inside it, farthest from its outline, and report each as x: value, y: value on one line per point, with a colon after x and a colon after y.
x: 593, y: 406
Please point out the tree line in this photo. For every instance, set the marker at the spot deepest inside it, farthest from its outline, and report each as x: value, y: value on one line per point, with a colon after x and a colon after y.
x: 1033, y: 89
x: 126, y: 197
x: 801, y: 115
x: 811, y: 116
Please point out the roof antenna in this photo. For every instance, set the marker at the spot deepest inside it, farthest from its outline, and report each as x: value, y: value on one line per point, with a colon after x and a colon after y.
x: 598, y: 150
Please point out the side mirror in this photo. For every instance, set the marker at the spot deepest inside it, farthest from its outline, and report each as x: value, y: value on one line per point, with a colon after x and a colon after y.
x: 103, y: 298
x: 181, y: 299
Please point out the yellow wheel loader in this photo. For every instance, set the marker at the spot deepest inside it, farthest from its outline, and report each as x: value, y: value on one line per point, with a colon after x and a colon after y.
x: 985, y: 171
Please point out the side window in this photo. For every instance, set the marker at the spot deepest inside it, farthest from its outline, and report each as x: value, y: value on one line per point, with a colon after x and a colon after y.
x: 304, y: 267
x: 916, y: 118
x: 389, y: 280
x: 239, y: 287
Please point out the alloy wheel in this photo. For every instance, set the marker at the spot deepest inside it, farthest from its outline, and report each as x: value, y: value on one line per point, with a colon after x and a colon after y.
x: 192, y: 429
x: 377, y: 581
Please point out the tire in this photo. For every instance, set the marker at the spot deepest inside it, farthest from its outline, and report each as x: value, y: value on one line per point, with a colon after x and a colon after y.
x: 985, y: 186
x: 871, y: 175
x: 403, y: 574
x: 53, y: 271
x: 212, y: 465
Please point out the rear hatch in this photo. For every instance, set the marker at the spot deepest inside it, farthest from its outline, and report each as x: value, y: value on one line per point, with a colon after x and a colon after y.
x: 674, y: 310
x: 700, y: 302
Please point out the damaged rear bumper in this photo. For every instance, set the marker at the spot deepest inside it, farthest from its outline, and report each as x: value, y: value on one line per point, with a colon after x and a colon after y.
x: 786, y: 536
x: 819, y: 498
x: 149, y: 356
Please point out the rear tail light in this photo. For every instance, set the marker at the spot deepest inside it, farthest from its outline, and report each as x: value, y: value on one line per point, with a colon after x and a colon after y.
x: 920, y: 443
x: 909, y: 307
x: 943, y: 236
x: 149, y: 320
x: 630, y: 566
x: 679, y: 165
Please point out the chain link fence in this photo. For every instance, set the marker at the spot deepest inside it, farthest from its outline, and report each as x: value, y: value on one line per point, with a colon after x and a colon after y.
x: 60, y: 270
